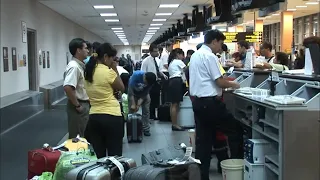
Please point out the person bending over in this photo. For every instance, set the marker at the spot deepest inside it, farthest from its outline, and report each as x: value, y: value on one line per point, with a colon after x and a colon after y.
x: 176, y: 69
x: 105, y: 127
x: 140, y: 84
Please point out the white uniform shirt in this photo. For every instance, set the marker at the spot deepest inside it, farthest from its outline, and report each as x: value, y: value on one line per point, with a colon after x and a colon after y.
x: 176, y: 68
x: 74, y: 76
x: 204, y: 70
x: 164, y: 61
x: 121, y: 70
x: 149, y: 66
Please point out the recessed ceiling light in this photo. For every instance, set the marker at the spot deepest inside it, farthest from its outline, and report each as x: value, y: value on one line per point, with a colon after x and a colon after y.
x: 120, y: 28
x: 103, y: 7
x: 154, y: 28
x: 118, y: 31
x: 301, y: 6
x: 152, y: 31
x: 126, y: 44
x: 156, y: 24
x: 111, y: 20
x: 159, y: 20
x: 312, y: 3
x: 163, y: 14
x: 291, y: 9
x: 108, y: 14
x: 169, y: 5
x: 121, y: 35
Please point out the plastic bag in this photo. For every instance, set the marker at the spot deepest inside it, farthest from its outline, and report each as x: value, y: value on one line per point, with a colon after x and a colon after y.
x: 71, y: 160
x: 46, y: 176
x: 125, y: 105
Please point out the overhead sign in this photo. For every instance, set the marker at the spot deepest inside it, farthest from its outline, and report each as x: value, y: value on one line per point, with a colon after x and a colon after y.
x: 233, y: 37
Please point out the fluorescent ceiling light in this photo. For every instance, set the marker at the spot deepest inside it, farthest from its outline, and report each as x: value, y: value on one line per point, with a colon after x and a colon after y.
x: 312, y: 3
x: 126, y: 44
x: 156, y: 24
x: 108, y: 14
x: 118, y: 31
x: 163, y: 14
x: 159, y: 20
x: 103, y: 7
x: 121, y: 35
x: 120, y: 28
x: 301, y: 6
x: 291, y: 9
x: 149, y: 31
x: 111, y: 20
x: 169, y: 5
x: 154, y: 28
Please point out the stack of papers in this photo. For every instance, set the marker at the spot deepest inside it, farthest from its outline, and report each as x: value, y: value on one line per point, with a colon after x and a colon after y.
x: 286, y: 100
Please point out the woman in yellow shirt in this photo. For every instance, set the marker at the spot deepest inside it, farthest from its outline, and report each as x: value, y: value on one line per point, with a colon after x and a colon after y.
x: 105, y: 126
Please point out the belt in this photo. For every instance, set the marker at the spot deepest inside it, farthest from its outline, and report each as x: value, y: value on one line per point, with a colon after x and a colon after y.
x: 83, y: 101
x: 208, y: 98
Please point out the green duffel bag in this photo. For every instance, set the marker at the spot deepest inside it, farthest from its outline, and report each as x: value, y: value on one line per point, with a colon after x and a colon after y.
x: 71, y: 160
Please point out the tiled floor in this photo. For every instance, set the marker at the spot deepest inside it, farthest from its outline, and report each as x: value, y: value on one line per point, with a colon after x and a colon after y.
x: 15, y: 144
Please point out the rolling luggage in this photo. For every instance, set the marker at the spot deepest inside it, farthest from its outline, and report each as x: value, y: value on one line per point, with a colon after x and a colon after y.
x: 187, y: 171
x: 108, y: 168
x: 164, y: 112
x: 134, y: 128
x: 163, y: 155
x: 42, y: 160
x: 186, y: 116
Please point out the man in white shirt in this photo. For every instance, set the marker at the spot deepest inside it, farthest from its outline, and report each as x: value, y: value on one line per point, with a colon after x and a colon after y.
x: 265, y: 50
x: 78, y: 104
x: 206, y: 84
x: 151, y: 64
x: 163, y: 65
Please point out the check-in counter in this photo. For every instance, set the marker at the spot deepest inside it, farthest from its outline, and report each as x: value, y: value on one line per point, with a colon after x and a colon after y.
x: 293, y: 131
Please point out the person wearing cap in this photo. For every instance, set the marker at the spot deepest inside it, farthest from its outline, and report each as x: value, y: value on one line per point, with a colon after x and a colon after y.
x: 211, y: 114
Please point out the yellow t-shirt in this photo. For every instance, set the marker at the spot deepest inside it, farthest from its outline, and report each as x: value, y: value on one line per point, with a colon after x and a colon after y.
x: 220, y: 68
x: 100, y: 92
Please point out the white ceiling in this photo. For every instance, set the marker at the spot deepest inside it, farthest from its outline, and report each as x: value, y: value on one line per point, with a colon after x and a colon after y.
x: 136, y: 15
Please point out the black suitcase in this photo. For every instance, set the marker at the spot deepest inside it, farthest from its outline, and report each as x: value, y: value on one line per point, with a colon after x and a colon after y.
x: 163, y: 155
x: 164, y: 112
x: 134, y: 128
x: 187, y: 171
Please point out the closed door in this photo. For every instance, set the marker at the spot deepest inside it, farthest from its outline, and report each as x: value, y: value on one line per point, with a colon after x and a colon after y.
x: 32, y: 63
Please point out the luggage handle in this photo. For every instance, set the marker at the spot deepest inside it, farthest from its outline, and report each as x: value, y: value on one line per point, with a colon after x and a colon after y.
x: 119, y: 165
x: 44, y: 157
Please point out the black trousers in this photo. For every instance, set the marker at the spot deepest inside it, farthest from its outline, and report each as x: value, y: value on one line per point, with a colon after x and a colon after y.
x: 164, y: 89
x: 105, y: 133
x: 155, y: 99
x: 211, y: 115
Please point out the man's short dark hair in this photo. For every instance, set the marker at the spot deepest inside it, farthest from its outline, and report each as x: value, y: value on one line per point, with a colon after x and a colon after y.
x: 266, y: 45
x: 152, y: 47
x: 214, y: 35
x: 151, y: 78
x: 244, y: 44
x: 75, y: 44
x: 190, y: 52
x: 160, y: 48
x: 96, y: 45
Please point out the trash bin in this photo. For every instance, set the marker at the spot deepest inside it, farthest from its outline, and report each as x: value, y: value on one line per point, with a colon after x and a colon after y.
x: 232, y: 169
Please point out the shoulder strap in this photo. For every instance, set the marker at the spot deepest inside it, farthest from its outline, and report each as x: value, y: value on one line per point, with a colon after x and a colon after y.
x: 270, y: 59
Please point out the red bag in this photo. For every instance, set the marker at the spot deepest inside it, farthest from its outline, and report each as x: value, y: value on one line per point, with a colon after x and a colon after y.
x: 42, y: 160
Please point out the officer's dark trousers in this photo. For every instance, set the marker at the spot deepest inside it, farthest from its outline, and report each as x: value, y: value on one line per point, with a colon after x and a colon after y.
x: 211, y: 115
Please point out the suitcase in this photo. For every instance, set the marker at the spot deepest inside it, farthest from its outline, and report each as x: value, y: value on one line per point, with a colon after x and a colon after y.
x: 42, y: 160
x: 164, y: 112
x: 112, y: 168
x: 187, y: 171
x: 163, y: 155
x: 134, y: 128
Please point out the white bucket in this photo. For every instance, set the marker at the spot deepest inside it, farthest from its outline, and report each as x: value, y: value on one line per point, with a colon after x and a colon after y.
x: 232, y: 169
x: 192, y: 139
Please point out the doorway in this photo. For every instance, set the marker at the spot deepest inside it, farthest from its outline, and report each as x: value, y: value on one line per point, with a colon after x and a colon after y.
x: 32, y: 59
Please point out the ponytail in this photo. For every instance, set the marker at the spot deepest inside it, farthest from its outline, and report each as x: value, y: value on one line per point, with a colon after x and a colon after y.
x: 90, y: 67
x: 172, y: 56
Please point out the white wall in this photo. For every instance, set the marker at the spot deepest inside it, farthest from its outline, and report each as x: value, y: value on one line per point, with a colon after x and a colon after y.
x: 134, y: 51
x: 54, y: 33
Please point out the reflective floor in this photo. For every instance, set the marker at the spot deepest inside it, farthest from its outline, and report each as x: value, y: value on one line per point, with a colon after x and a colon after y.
x: 16, y: 143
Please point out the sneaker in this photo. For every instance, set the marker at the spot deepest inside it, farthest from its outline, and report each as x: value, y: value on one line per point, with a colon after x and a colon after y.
x: 147, y: 133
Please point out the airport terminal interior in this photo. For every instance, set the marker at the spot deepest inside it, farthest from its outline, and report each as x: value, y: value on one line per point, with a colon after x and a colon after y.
x: 266, y: 54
